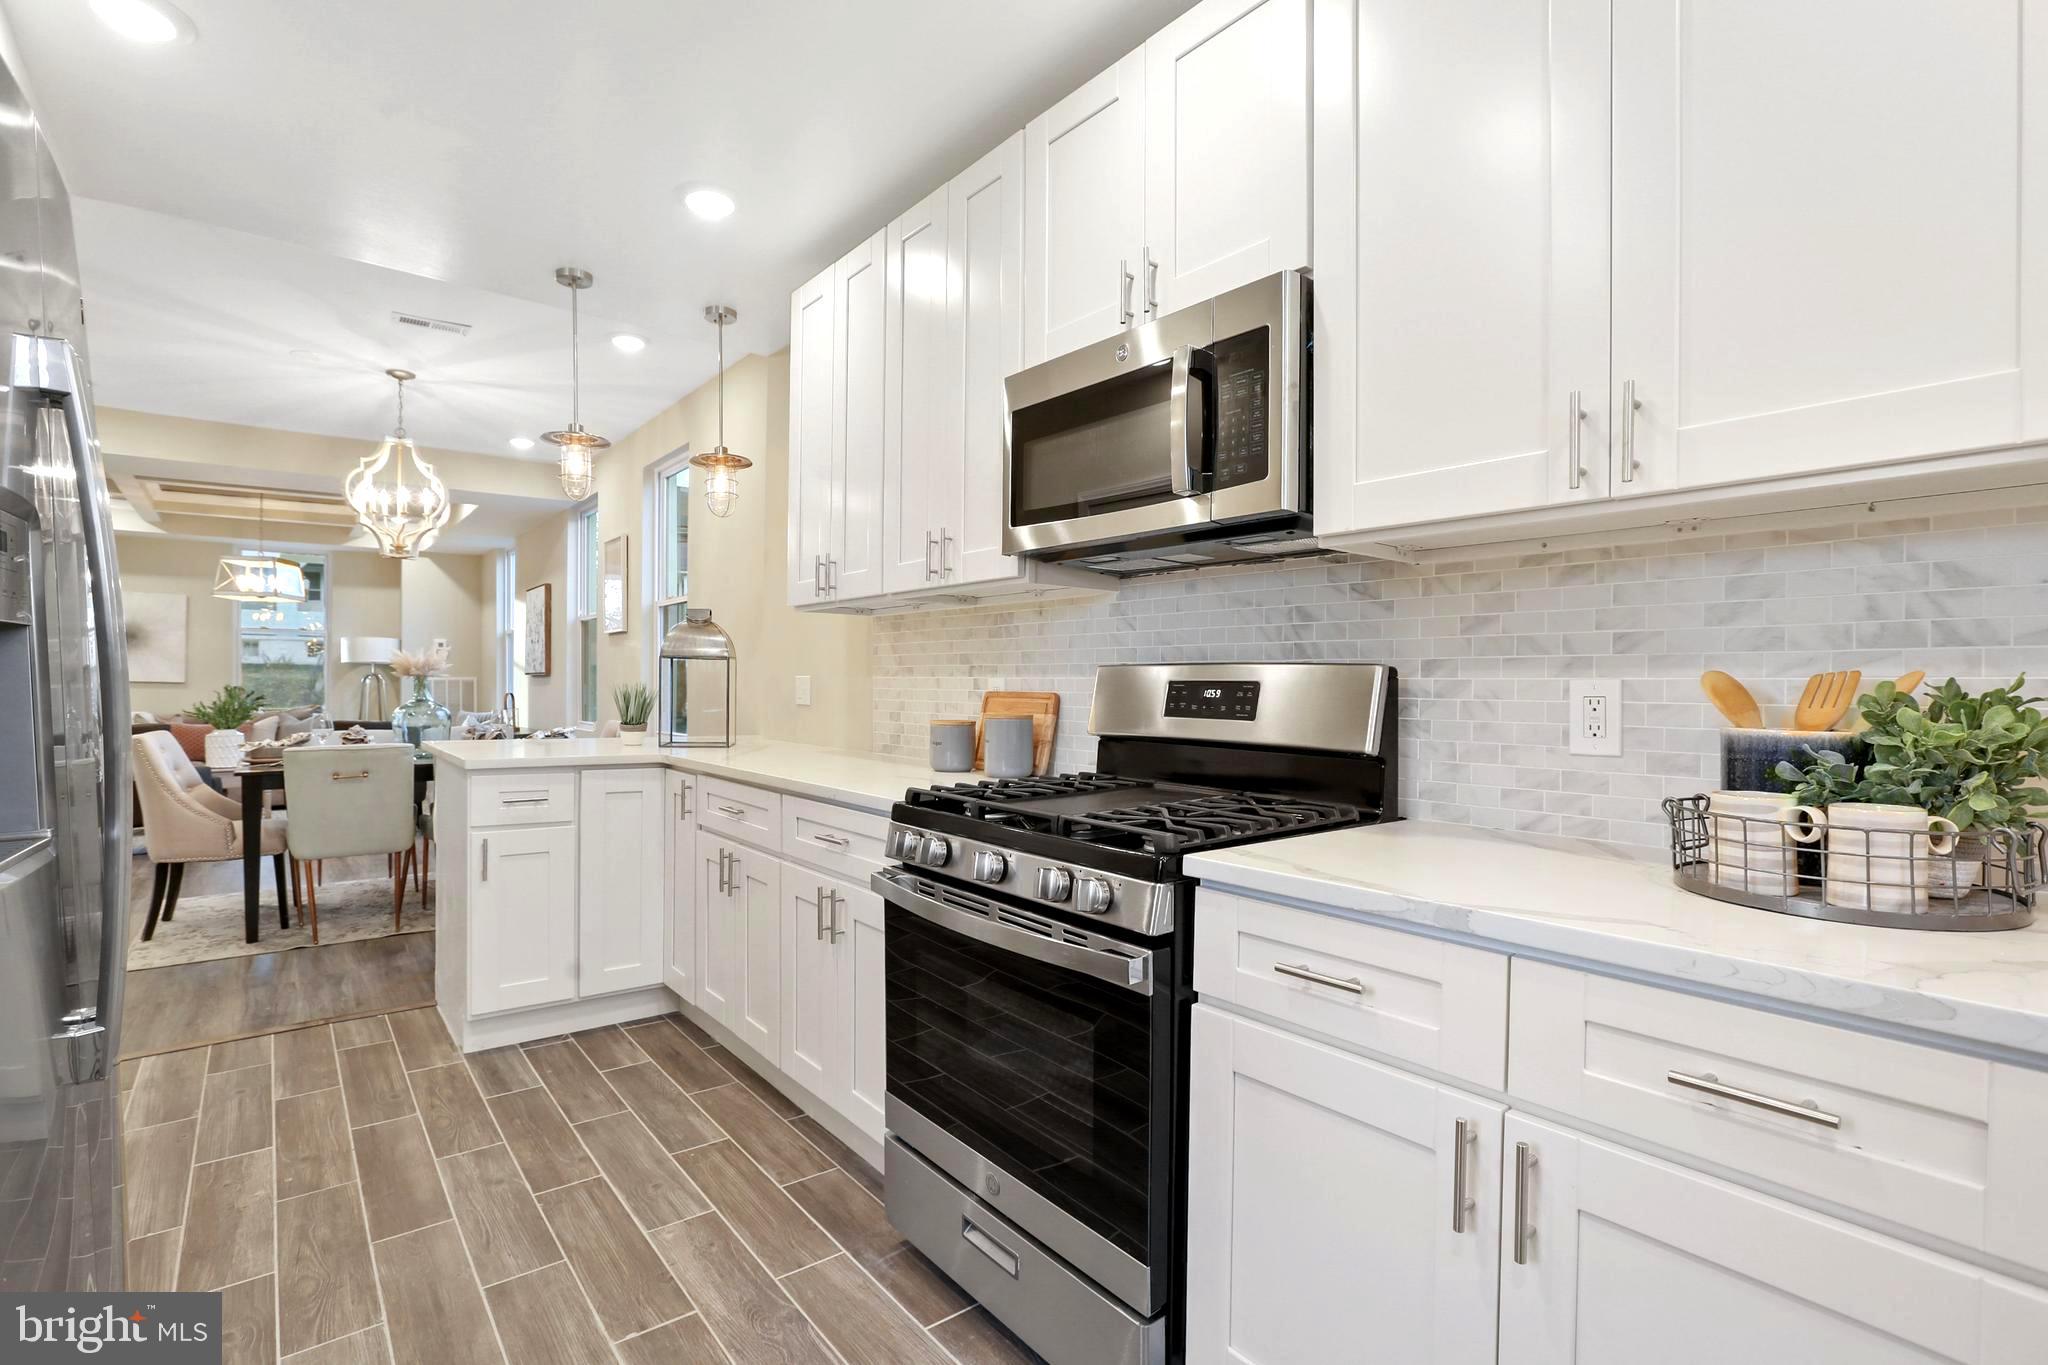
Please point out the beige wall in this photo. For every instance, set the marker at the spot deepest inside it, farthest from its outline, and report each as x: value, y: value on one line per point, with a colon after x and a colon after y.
x: 737, y: 566
x: 541, y: 556
x: 445, y: 597
x: 184, y: 568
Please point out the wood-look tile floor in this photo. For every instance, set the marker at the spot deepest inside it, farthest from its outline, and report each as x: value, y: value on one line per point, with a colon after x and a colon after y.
x: 365, y: 1195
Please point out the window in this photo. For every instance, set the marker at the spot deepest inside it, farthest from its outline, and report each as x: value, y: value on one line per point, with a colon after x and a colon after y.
x: 511, y: 627
x: 583, y: 580
x: 281, y: 648
x: 671, y: 539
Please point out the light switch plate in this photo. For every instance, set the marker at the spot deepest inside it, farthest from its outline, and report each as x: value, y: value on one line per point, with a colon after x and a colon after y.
x: 803, y: 689
x: 1593, y: 719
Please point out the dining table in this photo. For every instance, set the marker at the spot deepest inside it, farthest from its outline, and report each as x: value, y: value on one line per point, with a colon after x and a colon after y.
x: 258, y: 778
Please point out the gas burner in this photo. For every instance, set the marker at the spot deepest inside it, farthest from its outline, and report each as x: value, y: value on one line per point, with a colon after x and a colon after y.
x: 1099, y: 811
x: 1034, y: 788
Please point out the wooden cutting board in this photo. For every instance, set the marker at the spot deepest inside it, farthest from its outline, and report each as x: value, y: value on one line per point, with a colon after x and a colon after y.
x: 1044, y: 710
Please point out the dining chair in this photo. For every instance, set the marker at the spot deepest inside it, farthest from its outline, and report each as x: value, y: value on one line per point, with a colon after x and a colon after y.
x: 186, y: 821
x: 349, y: 802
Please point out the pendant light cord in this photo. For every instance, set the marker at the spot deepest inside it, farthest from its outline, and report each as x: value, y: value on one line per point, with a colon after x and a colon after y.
x: 575, y: 363
x: 721, y: 381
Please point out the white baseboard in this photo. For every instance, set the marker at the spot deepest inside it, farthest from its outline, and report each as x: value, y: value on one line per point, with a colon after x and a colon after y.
x: 544, y: 1021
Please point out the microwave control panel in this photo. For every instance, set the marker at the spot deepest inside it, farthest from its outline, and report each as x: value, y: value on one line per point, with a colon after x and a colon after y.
x: 1241, y: 415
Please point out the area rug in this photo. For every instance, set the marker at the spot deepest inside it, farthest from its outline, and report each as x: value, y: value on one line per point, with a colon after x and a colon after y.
x: 209, y: 927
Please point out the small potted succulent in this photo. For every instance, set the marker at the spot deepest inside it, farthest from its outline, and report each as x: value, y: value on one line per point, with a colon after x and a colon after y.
x: 635, y: 703
x: 227, y: 711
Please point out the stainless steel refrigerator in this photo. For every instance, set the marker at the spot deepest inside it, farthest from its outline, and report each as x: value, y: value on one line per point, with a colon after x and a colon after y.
x: 65, y: 823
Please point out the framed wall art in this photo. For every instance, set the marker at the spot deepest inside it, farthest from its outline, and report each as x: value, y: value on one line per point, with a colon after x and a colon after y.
x: 537, y: 651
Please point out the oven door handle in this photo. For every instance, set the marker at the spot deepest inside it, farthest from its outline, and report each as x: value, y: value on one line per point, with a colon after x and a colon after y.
x: 1190, y: 422
x: 1133, y: 973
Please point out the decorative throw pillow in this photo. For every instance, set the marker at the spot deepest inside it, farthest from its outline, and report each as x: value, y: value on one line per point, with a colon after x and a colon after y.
x: 289, y: 725
x: 262, y: 728
x: 192, y: 739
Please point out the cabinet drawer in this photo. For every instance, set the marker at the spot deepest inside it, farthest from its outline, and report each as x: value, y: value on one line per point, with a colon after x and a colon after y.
x: 1415, y: 999
x: 537, y: 798
x: 747, y: 813
x: 847, y: 843
x: 1934, y: 1141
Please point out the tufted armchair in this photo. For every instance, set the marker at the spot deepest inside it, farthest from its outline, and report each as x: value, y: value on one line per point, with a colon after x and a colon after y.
x: 186, y: 821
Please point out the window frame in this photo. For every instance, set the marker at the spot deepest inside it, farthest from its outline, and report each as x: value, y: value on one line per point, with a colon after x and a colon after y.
x: 660, y: 539
x: 241, y: 632
x: 585, y: 535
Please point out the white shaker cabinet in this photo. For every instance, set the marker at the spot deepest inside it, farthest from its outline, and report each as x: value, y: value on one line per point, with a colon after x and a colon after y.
x: 1337, y: 1209
x: 739, y: 906
x: 921, y: 465
x: 832, y: 1022
x: 1615, y: 1258
x: 857, y: 940
x: 810, y: 1028
x: 622, y: 814
x: 1084, y: 213
x: 1461, y: 196
x: 854, y: 553
x: 681, y: 930
x: 1830, y: 234
x: 985, y: 336
x: 812, y: 478
x: 520, y: 910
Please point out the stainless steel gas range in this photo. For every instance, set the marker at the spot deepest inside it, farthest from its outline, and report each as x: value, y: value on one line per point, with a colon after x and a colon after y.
x: 1038, y: 944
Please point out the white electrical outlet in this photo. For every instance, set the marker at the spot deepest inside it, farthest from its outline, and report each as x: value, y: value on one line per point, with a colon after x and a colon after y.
x: 1594, y: 718
x: 803, y: 689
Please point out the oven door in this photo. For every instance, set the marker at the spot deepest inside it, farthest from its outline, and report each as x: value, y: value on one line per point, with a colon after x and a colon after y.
x: 1033, y: 1062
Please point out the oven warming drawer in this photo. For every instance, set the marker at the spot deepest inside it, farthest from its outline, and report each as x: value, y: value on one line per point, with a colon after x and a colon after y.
x: 1053, y: 1309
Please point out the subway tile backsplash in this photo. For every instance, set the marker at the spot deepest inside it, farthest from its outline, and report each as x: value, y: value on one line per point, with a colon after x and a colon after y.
x: 1486, y: 648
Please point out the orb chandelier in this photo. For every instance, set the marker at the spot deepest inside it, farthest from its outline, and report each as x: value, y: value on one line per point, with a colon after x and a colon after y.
x: 579, y: 447
x: 260, y: 577
x: 721, y: 466
x: 403, y: 512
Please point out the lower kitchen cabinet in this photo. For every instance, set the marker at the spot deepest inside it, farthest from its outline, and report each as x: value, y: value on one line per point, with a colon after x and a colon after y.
x: 1337, y: 1209
x: 679, y: 936
x: 832, y: 1022
x: 739, y: 905
x: 522, y: 944
x: 1624, y: 1259
x: 622, y: 813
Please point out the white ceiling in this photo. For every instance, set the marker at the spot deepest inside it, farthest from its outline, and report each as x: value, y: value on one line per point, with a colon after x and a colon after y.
x: 255, y: 204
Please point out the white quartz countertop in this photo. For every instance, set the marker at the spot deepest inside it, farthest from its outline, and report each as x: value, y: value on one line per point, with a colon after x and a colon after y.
x: 1582, y: 901
x: 871, y: 782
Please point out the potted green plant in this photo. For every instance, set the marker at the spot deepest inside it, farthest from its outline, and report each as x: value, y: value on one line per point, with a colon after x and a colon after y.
x: 227, y: 711
x: 635, y: 703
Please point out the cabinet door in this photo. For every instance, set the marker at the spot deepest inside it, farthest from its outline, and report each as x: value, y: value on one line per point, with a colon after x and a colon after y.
x: 523, y: 921
x: 811, y: 1027
x: 810, y: 438
x: 1830, y: 233
x: 855, y: 553
x: 1461, y: 191
x: 757, y: 928
x: 622, y: 818
x: 1321, y: 1206
x: 720, y: 946
x: 1084, y: 213
x: 1627, y: 1259
x: 856, y: 932
x: 1226, y: 149
x: 681, y: 941
x: 985, y: 319
x: 920, y: 459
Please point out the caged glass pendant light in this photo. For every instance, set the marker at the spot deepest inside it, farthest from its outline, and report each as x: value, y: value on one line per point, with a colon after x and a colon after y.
x: 579, y: 447
x: 261, y: 577
x: 404, y: 512
x: 721, y: 466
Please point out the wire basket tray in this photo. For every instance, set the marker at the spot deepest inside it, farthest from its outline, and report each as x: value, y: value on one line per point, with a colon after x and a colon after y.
x: 1857, y: 876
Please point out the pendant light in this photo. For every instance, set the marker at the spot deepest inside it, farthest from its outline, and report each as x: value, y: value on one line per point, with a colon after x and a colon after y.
x: 579, y: 447
x: 260, y: 577
x: 403, y: 513
x: 722, y: 487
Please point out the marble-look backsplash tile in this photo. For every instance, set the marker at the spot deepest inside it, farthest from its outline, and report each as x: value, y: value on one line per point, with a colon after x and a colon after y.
x: 1486, y: 647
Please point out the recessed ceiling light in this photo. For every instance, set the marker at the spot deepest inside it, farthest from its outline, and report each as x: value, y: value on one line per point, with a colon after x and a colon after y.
x: 709, y: 204
x: 521, y: 443
x: 630, y: 344
x: 144, y: 21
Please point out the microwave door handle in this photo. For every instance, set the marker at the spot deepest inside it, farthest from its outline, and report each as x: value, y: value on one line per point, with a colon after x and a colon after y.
x: 1190, y: 430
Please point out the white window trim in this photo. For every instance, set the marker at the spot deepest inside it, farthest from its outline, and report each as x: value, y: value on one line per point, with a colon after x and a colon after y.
x: 326, y: 561
x: 581, y: 589
x: 656, y: 544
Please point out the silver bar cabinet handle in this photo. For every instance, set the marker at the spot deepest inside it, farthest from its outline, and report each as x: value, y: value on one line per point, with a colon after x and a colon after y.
x: 1707, y: 1085
x: 1575, y: 420
x: 831, y: 574
x: 821, y: 912
x: 1124, y: 316
x: 1630, y: 406
x: 931, y: 543
x: 732, y: 874
x: 1525, y: 1162
x: 736, y: 812
x: 945, y: 548
x: 1304, y: 972
x: 484, y: 873
x: 1151, y: 283
x: 837, y: 901
x: 831, y: 839
x: 1461, y: 1195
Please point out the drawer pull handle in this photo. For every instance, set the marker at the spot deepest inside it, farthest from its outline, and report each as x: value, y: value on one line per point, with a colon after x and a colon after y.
x: 1525, y: 1163
x: 1005, y: 1259
x: 735, y: 812
x: 1462, y: 1202
x: 1707, y: 1085
x: 1304, y: 972
x: 831, y: 839
x: 524, y: 801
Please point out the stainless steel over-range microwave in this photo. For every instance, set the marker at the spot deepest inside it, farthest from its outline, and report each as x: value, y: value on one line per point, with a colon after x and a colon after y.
x: 1181, y: 442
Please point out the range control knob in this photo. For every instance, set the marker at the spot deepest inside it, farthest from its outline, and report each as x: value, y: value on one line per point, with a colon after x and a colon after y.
x: 934, y: 851
x: 1055, y: 883
x: 903, y: 844
x: 1097, y: 895
x: 989, y: 866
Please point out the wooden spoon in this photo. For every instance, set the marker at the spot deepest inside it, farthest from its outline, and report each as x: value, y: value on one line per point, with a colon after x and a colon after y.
x: 1732, y: 700
x: 1826, y: 698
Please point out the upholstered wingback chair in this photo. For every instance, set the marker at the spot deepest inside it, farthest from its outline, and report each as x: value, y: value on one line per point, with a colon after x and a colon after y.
x: 186, y: 821
x: 347, y: 800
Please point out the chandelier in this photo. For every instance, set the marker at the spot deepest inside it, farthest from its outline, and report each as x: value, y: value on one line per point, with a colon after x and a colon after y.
x: 722, y: 486
x: 260, y: 577
x: 404, y: 514
x: 579, y: 447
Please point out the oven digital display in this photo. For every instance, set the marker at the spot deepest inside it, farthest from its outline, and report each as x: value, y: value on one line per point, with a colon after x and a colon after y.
x: 1213, y: 700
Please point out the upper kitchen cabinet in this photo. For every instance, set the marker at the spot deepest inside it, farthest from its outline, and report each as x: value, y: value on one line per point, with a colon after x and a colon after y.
x: 920, y: 475
x: 811, y: 475
x: 1084, y: 213
x: 836, y: 434
x: 1461, y: 267
x: 1830, y: 235
x: 985, y: 330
